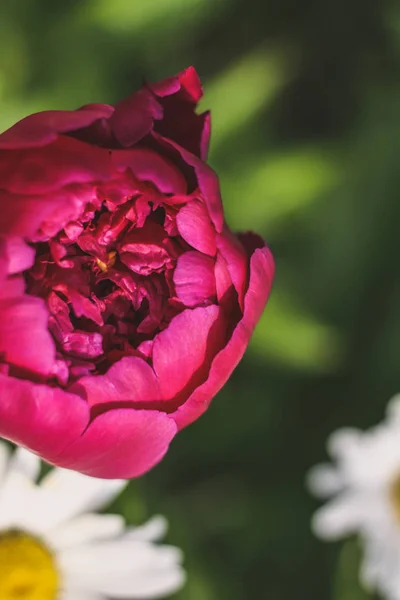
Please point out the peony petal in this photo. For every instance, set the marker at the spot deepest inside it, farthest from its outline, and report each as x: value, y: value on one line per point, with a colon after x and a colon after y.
x: 24, y: 338
x: 195, y: 227
x: 134, y: 117
x: 182, y: 349
x: 35, y: 217
x: 178, y: 96
x: 236, y: 260
x: 131, y: 379
x: 187, y: 82
x: 261, y: 275
x: 42, y: 418
x: 223, y: 281
x: 20, y: 255
x: 148, y: 165
x: 48, y: 168
x: 120, y: 443
x: 207, y: 181
x: 12, y: 287
x: 194, y: 279
x: 205, y: 135
x: 43, y: 128
x: 24, y: 213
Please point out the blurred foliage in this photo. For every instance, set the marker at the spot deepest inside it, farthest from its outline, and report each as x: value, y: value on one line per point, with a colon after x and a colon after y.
x: 305, y: 100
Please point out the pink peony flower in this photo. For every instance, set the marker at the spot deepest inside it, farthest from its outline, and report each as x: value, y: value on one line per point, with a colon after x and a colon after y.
x: 126, y: 302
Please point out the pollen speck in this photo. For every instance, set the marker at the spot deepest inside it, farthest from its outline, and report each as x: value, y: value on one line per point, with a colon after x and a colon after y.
x: 104, y: 266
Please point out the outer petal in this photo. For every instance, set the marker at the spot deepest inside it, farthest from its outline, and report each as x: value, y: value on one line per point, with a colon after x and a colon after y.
x: 187, y: 83
x: 178, y: 96
x: 183, y: 348
x: 24, y: 338
x: 42, y: 128
x: 207, y: 180
x: 35, y: 216
x: 261, y: 275
x: 236, y: 259
x: 47, y: 168
x: 134, y: 117
x: 42, y: 418
x: 120, y: 443
x: 20, y: 255
x: 131, y: 379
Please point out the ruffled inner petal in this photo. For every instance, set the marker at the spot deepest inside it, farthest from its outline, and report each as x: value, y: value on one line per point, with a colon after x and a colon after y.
x: 194, y: 279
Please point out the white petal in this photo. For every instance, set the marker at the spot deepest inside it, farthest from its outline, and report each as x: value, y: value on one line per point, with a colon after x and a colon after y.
x: 324, y: 481
x: 338, y: 518
x: 152, y: 531
x: 147, y: 584
x: 67, y: 494
x: 343, y: 441
x: 380, y: 566
x: 393, y: 408
x: 80, y: 595
x: 369, y: 570
x: 84, y: 529
x: 26, y: 463
x: 17, y: 500
x: 18, y: 472
x: 4, y: 459
x: 124, y: 569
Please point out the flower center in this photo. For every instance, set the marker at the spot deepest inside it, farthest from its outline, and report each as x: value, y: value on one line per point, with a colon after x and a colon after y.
x: 27, y: 568
x: 107, y: 280
x: 104, y: 266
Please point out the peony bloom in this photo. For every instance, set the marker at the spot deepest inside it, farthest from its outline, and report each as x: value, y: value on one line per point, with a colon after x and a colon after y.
x: 365, y: 485
x: 126, y: 302
x: 52, y: 544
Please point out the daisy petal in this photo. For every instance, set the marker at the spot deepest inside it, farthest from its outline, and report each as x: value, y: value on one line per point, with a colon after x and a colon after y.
x: 152, y: 531
x: 324, y: 481
x: 67, y: 494
x: 123, y: 569
x: 26, y: 463
x: 4, y: 458
x: 79, y: 595
x: 343, y: 441
x: 339, y: 518
x: 17, y: 493
x: 86, y: 528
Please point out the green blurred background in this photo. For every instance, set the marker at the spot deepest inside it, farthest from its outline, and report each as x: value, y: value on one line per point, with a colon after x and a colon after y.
x: 305, y: 99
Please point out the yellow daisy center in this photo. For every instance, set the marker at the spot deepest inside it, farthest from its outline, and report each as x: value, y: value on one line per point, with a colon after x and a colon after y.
x: 27, y: 568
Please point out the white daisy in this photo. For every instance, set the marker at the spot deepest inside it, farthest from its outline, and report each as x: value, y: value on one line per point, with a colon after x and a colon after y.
x: 53, y: 546
x: 365, y: 485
